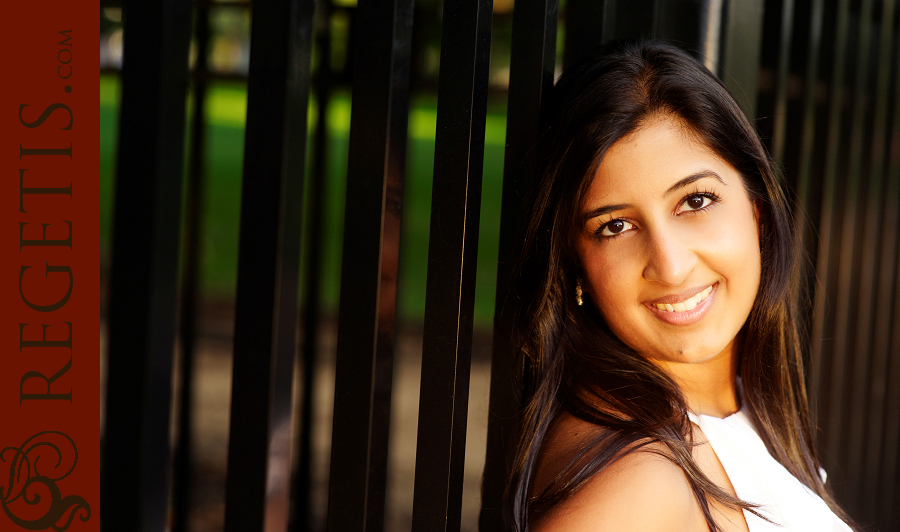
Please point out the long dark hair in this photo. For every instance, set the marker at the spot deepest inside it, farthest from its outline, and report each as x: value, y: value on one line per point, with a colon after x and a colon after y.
x: 579, y: 366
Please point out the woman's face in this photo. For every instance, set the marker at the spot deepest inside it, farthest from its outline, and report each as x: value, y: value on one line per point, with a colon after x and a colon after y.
x: 669, y: 245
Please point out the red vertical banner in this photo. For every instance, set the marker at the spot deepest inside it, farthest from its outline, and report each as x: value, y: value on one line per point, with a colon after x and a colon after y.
x: 50, y: 267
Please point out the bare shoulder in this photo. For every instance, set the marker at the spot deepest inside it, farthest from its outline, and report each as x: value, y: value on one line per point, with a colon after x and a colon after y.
x: 642, y: 490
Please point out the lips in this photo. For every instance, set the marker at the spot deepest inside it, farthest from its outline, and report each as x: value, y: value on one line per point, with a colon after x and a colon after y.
x: 685, y: 308
x: 687, y: 304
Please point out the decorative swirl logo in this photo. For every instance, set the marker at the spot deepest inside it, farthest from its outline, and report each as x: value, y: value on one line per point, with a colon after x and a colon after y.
x: 32, y: 499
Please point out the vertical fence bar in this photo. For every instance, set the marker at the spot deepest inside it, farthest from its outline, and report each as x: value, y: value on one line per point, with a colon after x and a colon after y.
x: 679, y: 22
x: 145, y: 266
x: 190, y: 291
x: 870, y: 217
x: 886, y: 426
x: 364, y: 364
x: 848, y: 265
x: 809, y: 191
x: 630, y: 19
x: 783, y: 70
x: 710, y: 44
x: 888, y: 509
x: 821, y: 348
x: 256, y: 492
x: 532, y: 63
x: 452, y: 252
x: 586, y: 29
x: 303, y: 481
x: 390, y: 258
x: 767, y: 91
x: 739, y: 57
x: 793, y: 110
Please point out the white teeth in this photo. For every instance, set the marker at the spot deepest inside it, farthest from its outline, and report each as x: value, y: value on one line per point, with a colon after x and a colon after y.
x: 688, y: 304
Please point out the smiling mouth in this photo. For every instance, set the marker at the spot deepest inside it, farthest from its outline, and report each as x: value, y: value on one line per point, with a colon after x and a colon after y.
x: 688, y: 304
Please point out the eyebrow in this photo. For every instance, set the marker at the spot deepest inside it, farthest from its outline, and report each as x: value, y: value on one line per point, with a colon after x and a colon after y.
x: 693, y: 177
x: 606, y: 209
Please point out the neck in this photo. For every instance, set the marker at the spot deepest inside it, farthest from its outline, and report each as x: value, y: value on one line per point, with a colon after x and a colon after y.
x: 709, y: 386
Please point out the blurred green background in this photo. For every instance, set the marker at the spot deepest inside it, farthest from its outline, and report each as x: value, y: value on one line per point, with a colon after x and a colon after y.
x: 225, y: 115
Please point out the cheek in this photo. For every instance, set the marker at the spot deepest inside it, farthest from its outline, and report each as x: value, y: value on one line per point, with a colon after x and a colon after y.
x: 733, y: 251
x: 615, y: 285
x: 611, y: 282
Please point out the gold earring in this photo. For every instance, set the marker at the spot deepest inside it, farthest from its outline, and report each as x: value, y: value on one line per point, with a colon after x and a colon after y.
x: 578, y: 292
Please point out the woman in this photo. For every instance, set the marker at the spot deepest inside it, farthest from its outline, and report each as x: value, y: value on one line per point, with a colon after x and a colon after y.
x: 656, y: 307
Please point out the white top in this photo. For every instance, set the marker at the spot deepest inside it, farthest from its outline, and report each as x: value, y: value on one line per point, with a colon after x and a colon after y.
x: 758, y: 478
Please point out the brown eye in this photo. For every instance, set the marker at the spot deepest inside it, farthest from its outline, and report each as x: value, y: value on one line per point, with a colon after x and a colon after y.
x: 696, y: 202
x: 615, y: 227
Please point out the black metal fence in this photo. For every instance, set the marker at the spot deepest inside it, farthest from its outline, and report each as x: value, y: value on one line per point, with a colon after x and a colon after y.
x: 820, y: 78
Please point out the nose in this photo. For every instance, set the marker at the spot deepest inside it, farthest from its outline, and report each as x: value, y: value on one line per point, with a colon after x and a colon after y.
x: 670, y: 259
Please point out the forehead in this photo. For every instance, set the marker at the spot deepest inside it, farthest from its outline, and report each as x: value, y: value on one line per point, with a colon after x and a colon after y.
x: 645, y: 163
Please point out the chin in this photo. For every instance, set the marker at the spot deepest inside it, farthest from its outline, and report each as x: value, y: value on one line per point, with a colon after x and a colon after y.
x: 690, y: 353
